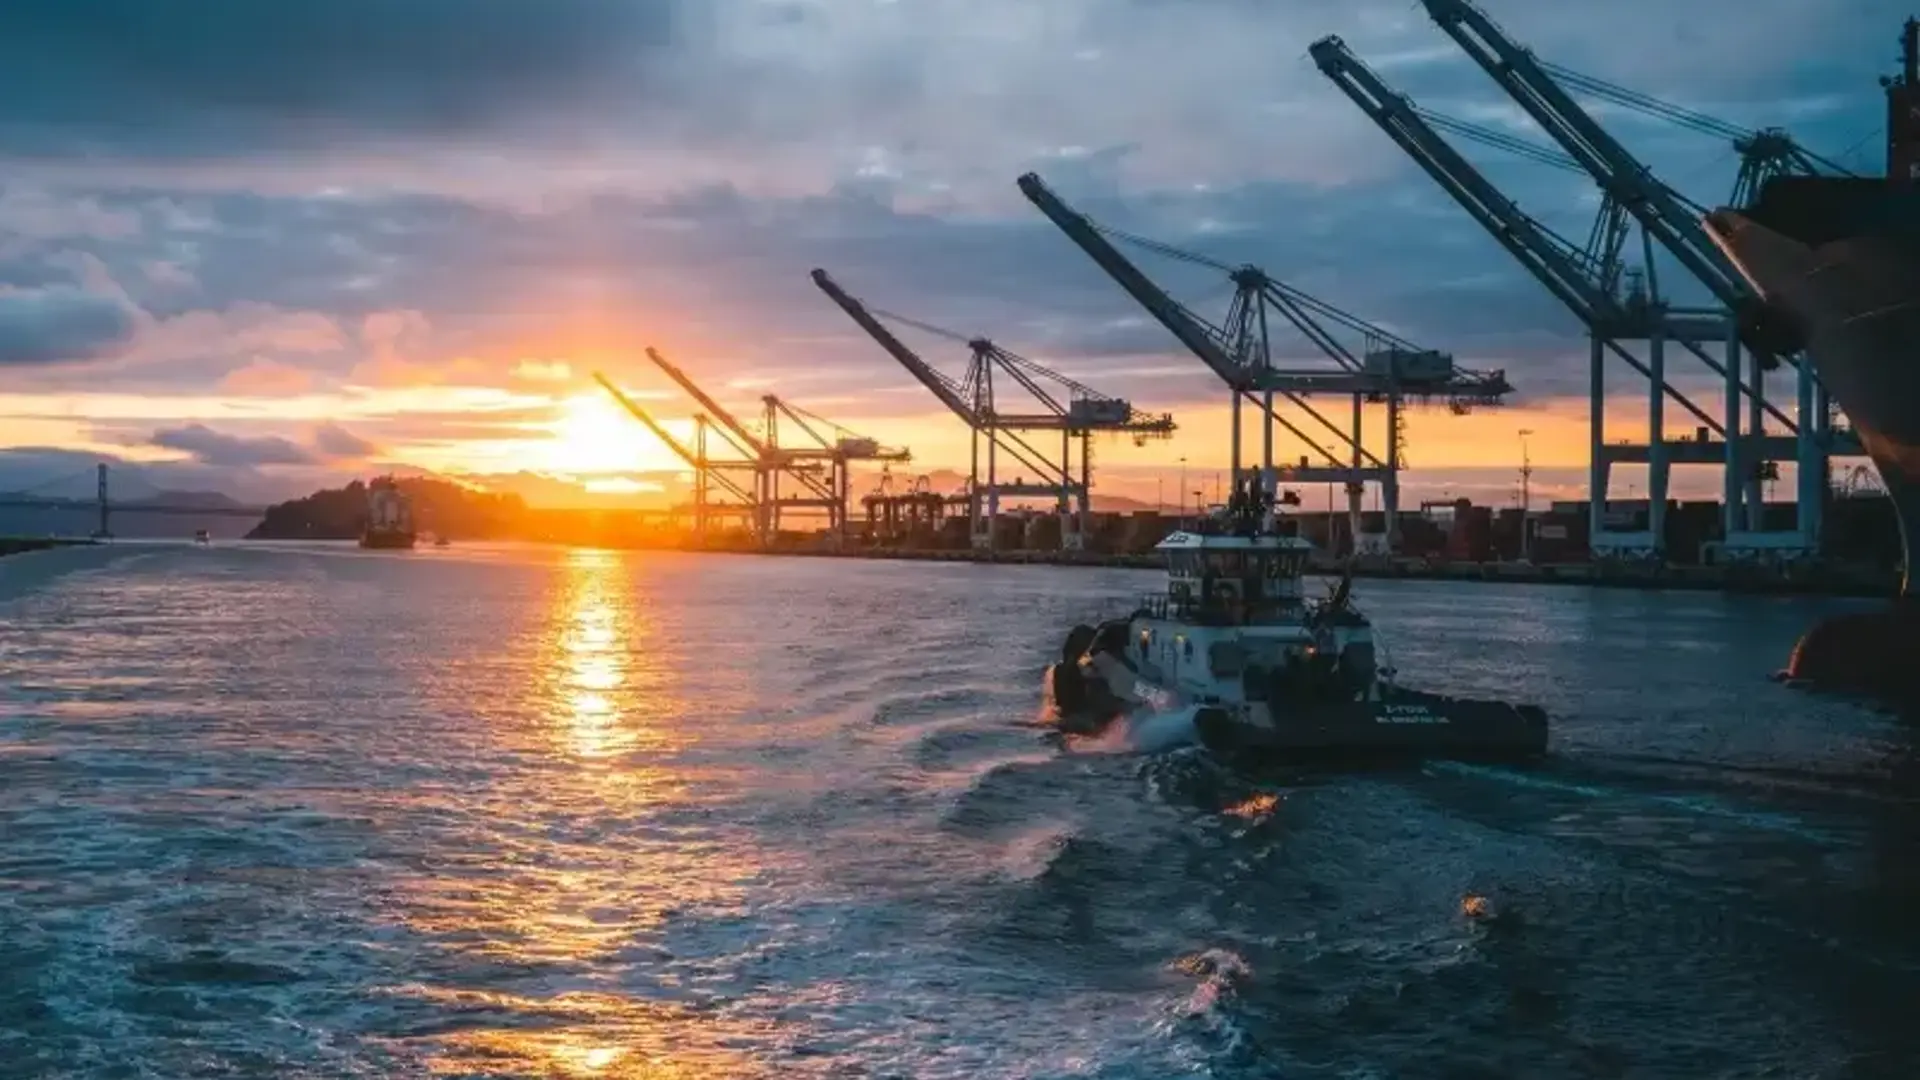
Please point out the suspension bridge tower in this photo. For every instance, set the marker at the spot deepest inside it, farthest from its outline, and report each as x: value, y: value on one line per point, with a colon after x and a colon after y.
x: 100, y: 501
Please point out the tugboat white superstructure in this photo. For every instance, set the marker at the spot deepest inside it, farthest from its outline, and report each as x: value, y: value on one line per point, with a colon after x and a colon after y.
x: 1269, y: 672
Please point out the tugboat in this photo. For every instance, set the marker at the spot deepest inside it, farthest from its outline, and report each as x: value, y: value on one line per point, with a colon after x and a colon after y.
x: 1271, y: 676
x: 389, y: 517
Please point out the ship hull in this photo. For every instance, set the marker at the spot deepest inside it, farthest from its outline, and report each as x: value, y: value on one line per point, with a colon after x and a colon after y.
x: 387, y: 539
x: 1854, y: 303
x: 1403, y: 725
x: 1837, y: 264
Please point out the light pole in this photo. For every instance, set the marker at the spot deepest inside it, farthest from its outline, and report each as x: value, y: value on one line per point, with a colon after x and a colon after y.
x: 1526, y: 498
x: 1183, y: 487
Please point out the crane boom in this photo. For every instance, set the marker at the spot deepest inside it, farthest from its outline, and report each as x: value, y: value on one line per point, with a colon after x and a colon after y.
x: 714, y: 409
x: 1656, y: 207
x: 1193, y: 333
x: 646, y: 418
x: 1550, y: 258
x: 1764, y: 152
x: 692, y: 459
x: 1545, y: 254
x: 929, y: 377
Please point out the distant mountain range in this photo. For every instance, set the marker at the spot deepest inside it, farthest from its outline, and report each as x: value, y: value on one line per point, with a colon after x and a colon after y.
x: 77, y: 515
x: 207, y: 500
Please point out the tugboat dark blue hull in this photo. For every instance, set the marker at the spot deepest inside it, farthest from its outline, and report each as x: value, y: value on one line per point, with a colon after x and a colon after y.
x: 1331, y: 722
x: 1407, y: 725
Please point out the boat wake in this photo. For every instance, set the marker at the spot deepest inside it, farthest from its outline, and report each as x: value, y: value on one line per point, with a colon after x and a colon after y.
x: 1150, y: 731
x: 1145, y: 729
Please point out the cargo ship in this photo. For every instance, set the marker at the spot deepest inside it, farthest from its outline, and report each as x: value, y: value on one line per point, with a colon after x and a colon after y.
x: 389, y: 517
x: 1836, y: 262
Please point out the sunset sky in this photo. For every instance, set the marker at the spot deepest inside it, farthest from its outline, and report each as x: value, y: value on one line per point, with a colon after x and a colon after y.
x: 262, y: 247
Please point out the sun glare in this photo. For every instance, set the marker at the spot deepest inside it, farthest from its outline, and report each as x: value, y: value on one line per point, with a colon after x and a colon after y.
x: 620, y: 485
x: 594, y: 435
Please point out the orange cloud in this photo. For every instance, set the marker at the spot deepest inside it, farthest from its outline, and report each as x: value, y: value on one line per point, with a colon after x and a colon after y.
x: 245, y: 328
x: 542, y: 371
x: 398, y: 351
x: 267, y: 378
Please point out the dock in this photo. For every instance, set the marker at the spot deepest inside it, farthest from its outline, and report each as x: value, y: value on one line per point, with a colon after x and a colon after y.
x: 1810, y: 579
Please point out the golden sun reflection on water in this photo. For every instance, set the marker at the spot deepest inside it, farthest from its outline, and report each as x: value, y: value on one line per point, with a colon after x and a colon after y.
x: 576, y: 863
x: 596, y: 1038
x: 588, y: 669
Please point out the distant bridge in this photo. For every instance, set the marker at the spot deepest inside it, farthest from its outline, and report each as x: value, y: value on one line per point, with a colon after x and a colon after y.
x: 102, y: 504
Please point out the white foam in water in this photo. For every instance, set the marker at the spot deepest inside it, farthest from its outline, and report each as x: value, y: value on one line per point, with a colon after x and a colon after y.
x: 1152, y: 732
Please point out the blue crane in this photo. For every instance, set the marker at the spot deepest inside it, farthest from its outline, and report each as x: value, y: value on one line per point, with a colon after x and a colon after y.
x: 1674, y: 223
x: 1587, y: 280
x: 1239, y: 350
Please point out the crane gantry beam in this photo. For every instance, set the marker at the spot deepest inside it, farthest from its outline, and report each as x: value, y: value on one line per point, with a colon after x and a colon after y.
x: 1083, y: 412
x: 1675, y: 223
x: 1387, y: 369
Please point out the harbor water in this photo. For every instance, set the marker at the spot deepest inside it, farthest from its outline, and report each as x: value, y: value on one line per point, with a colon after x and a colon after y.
x: 309, y: 811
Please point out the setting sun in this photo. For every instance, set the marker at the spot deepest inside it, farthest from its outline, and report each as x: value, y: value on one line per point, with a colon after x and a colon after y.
x: 594, y: 435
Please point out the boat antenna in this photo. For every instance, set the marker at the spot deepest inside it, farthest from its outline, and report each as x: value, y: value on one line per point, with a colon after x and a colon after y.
x: 1246, y: 505
x: 1263, y: 488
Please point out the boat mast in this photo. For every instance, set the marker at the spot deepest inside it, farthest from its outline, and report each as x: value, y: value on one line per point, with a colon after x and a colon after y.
x: 1903, y: 110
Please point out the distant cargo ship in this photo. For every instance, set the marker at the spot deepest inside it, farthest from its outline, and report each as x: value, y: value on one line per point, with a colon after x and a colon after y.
x: 389, y: 517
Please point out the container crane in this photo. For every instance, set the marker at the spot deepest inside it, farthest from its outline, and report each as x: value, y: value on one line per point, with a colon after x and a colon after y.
x: 708, y: 473
x: 1675, y: 224
x: 1586, y: 280
x: 833, y: 445
x: 819, y: 472
x: 973, y: 399
x: 904, y: 515
x: 1764, y: 153
x: 1386, y: 369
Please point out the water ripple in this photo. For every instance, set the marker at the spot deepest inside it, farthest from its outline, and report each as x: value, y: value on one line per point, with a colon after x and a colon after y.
x: 299, y: 812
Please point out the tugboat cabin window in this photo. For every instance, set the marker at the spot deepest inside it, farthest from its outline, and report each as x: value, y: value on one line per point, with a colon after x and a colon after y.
x: 1283, y: 564
x: 1230, y: 583
x: 1225, y: 563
